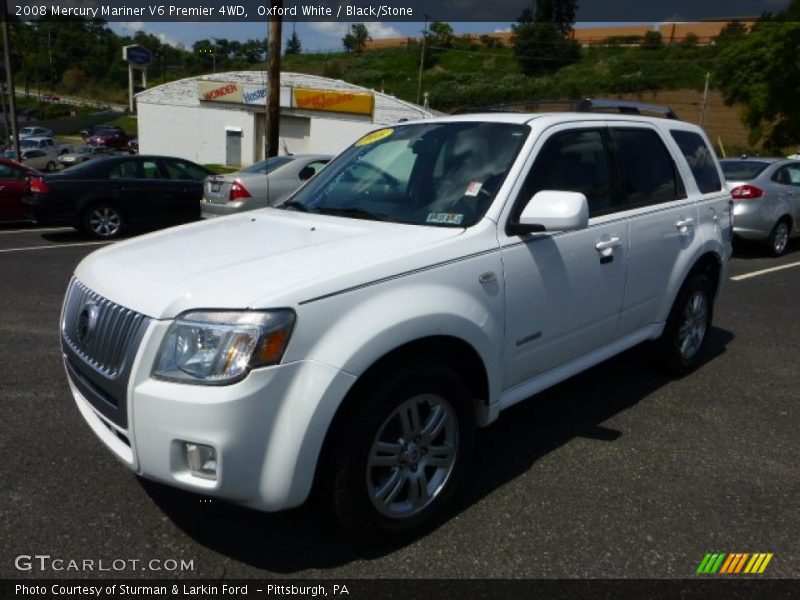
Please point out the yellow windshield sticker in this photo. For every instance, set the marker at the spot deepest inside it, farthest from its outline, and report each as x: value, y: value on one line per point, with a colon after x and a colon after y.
x: 375, y: 136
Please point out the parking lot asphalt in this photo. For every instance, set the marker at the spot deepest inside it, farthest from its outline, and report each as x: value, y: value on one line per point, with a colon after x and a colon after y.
x: 619, y: 472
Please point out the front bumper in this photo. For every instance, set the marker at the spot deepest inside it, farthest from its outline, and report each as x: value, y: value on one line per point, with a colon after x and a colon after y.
x: 267, y: 429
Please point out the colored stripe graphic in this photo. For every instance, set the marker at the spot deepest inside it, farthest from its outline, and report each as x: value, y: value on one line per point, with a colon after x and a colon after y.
x: 734, y: 563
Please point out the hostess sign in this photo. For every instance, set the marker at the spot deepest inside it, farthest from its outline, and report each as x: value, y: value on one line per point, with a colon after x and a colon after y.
x: 137, y: 56
x: 300, y: 98
x: 341, y: 102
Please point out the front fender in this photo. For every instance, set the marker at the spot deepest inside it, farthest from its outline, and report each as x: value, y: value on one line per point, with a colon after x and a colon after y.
x: 353, y: 330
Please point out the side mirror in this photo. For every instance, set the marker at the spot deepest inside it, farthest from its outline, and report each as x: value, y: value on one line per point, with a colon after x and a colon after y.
x: 306, y: 173
x: 551, y: 210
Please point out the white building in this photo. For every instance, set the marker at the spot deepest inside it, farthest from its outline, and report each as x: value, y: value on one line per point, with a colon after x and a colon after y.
x: 220, y: 118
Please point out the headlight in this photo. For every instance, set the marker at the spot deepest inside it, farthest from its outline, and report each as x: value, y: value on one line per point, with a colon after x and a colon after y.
x: 220, y: 347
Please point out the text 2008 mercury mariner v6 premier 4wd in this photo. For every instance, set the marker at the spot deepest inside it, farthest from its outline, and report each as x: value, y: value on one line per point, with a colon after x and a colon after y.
x: 434, y: 274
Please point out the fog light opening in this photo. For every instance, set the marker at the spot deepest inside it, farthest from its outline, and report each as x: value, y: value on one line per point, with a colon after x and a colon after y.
x: 201, y: 460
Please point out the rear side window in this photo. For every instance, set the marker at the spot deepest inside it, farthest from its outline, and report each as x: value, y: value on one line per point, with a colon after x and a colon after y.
x: 788, y: 175
x: 572, y: 161
x: 646, y: 167
x: 124, y: 170
x: 178, y: 169
x: 700, y: 160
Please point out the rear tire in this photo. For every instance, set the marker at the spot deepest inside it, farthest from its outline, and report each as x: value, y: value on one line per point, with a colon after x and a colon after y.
x: 104, y: 221
x: 778, y: 239
x: 404, y: 453
x: 680, y: 347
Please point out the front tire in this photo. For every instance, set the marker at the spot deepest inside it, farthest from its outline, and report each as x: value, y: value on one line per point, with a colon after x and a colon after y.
x: 104, y: 221
x: 405, y: 451
x: 778, y: 239
x: 50, y: 167
x: 681, y: 345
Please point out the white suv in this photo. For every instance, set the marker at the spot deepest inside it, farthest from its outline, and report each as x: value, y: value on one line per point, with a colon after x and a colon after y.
x: 434, y: 274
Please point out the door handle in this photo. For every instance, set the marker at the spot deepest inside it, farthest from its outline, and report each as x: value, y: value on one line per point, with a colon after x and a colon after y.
x: 684, y: 225
x: 608, y: 244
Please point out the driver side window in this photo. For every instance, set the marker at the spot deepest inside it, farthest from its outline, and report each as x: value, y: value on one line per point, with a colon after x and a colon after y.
x: 572, y: 161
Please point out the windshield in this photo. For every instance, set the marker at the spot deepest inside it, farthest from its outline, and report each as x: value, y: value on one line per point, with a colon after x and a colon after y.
x: 267, y: 166
x: 28, y: 143
x: 442, y: 174
x: 742, y: 170
x: 84, y: 150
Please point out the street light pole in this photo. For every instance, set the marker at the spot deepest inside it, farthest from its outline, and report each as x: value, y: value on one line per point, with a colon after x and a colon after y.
x: 422, y: 58
x: 12, y: 101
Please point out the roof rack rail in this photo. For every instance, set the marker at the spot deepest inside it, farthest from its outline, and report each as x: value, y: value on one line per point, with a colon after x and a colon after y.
x: 585, y: 105
x: 624, y: 107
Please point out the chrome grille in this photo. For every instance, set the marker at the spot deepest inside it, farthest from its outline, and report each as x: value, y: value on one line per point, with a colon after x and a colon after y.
x: 97, y: 330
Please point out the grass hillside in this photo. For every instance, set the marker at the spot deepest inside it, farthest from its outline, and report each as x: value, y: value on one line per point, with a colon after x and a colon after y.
x: 464, y: 76
x: 470, y: 75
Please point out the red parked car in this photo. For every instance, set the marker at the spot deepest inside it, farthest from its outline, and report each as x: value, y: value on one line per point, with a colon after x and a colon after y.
x: 13, y: 186
x: 110, y: 137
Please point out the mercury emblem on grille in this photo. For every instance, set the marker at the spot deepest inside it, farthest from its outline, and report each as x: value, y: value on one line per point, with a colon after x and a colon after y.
x: 87, y: 320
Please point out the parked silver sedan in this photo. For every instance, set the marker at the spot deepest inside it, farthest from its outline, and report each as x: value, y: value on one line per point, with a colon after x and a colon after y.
x: 263, y: 184
x: 766, y: 198
x: 84, y: 153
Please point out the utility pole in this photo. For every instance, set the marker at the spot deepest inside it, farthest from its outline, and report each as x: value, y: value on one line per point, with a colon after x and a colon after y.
x: 273, y: 81
x: 422, y: 59
x: 12, y: 102
x: 705, y: 101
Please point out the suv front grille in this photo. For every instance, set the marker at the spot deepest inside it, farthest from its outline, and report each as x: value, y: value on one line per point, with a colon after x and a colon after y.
x: 99, y: 331
x: 100, y: 340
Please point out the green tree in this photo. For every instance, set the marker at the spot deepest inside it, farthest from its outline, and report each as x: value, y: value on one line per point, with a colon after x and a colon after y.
x: 735, y: 30
x: 293, y: 44
x: 541, y: 44
x: 440, y: 35
x: 357, y: 38
x: 559, y: 12
x: 653, y: 40
x: 760, y: 71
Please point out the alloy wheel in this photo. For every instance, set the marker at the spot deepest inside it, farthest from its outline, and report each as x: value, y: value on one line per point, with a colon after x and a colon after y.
x: 105, y: 221
x: 412, y: 456
x: 693, y: 325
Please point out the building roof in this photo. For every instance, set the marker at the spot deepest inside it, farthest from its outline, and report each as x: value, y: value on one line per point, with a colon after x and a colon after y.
x: 183, y: 92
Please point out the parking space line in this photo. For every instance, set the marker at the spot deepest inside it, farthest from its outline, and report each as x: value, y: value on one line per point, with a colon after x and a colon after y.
x: 52, y: 246
x: 35, y: 230
x: 765, y: 271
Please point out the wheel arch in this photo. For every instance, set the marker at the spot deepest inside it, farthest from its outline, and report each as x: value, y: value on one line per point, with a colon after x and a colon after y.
x: 450, y: 350
x: 708, y: 262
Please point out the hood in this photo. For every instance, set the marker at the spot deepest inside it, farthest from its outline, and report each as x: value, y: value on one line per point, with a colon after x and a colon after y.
x: 262, y: 259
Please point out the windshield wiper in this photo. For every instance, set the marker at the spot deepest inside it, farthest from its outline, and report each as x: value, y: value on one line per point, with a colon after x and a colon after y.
x: 293, y: 205
x: 357, y: 213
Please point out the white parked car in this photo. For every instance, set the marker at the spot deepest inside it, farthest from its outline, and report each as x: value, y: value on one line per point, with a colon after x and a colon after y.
x: 32, y: 131
x: 432, y: 275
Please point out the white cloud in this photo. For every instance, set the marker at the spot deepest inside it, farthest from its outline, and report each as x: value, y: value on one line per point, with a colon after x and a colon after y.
x: 380, y: 31
x: 504, y: 30
x: 134, y: 26
x: 329, y: 28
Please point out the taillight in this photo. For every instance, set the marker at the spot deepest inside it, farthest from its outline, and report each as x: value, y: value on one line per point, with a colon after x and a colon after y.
x: 746, y: 192
x: 238, y: 192
x: 38, y: 186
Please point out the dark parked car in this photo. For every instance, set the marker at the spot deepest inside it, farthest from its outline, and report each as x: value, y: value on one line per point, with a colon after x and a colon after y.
x: 106, y: 196
x: 109, y: 137
x: 13, y: 183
